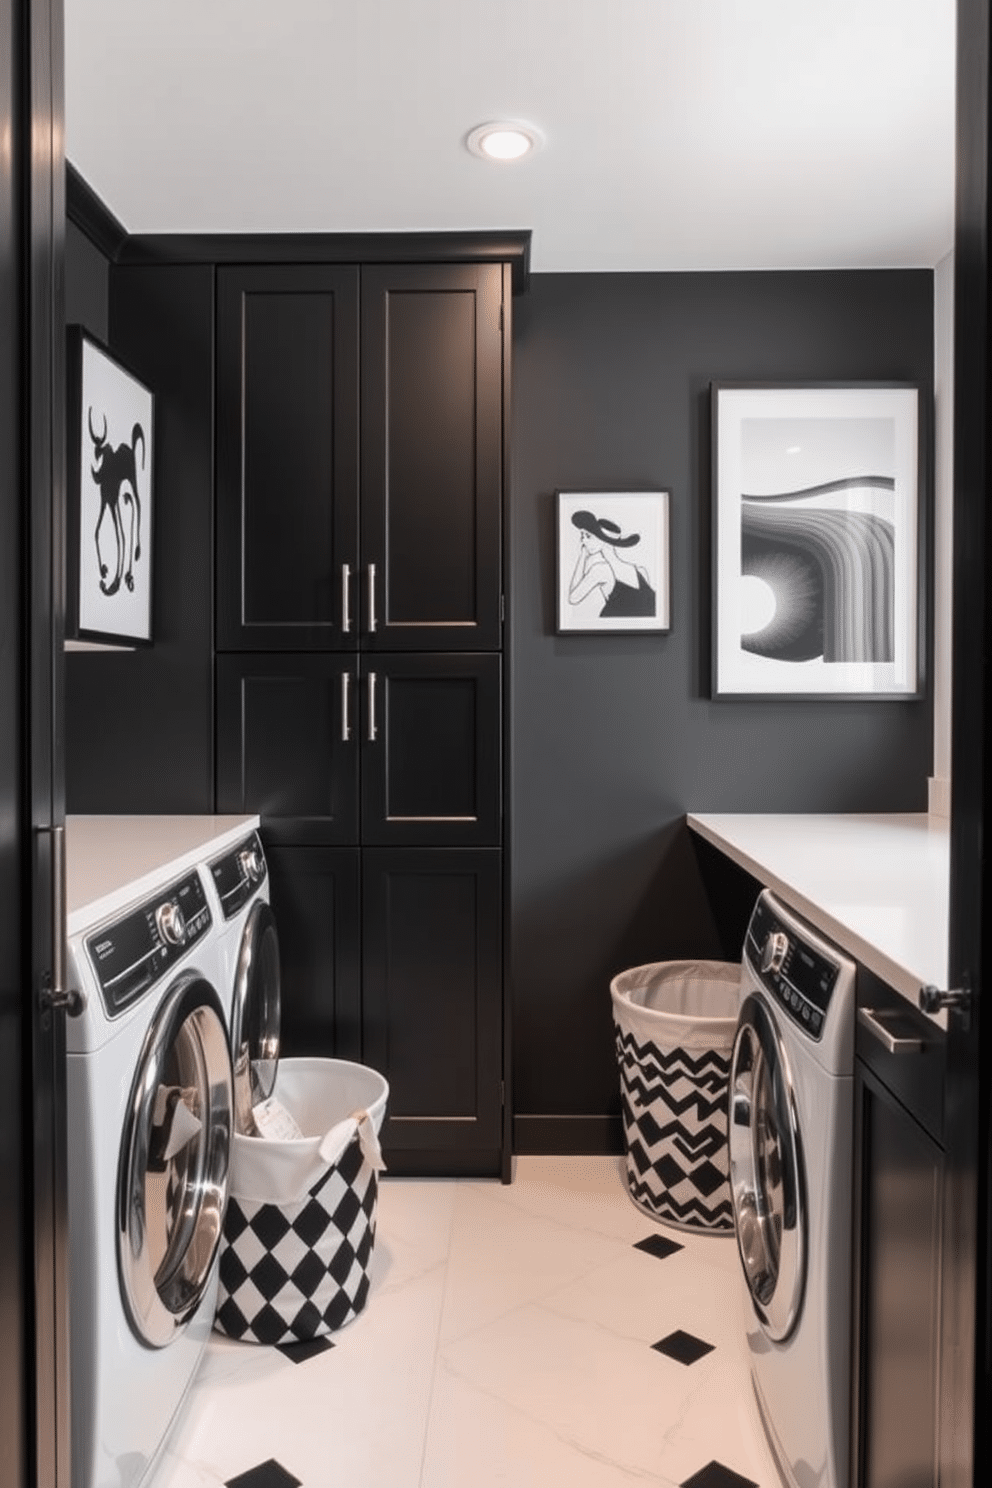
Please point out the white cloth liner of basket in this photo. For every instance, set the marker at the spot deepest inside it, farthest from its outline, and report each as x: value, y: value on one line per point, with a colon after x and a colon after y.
x: 675, y: 1025
x: 327, y: 1113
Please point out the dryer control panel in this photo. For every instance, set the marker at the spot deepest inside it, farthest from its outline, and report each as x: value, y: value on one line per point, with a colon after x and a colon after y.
x: 798, y: 976
x: 238, y: 874
x: 133, y: 953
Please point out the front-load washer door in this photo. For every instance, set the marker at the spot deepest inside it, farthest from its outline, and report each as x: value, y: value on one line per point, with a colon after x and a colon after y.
x: 767, y: 1178
x: 255, y: 1014
x: 174, y: 1162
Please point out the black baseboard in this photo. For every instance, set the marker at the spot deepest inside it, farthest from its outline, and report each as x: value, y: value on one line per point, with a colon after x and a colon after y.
x: 562, y: 1136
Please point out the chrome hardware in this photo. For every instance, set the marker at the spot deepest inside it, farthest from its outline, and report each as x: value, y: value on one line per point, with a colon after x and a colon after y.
x: 345, y: 598
x: 55, y: 995
x: 345, y: 707
x: 895, y: 1043
x: 250, y: 863
x: 774, y: 953
x: 373, y: 730
x: 934, y: 1000
x: 171, y: 923
x: 372, y: 620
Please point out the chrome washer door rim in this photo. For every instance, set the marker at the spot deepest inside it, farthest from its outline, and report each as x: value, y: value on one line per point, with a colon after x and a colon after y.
x: 767, y: 1176
x: 255, y: 1014
x: 171, y: 1203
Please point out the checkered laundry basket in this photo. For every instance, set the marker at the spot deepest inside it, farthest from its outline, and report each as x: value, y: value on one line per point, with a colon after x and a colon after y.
x: 299, y: 1228
x: 675, y: 1023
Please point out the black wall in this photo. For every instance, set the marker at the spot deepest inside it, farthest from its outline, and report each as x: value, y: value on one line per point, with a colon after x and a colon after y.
x: 140, y: 723
x: 614, y: 738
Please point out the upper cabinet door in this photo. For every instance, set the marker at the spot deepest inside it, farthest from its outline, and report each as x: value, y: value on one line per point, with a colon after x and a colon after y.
x: 287, y: 457
x: 432, y: 456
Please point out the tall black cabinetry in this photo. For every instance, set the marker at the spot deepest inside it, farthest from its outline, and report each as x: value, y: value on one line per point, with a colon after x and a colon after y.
x: 360, y: 439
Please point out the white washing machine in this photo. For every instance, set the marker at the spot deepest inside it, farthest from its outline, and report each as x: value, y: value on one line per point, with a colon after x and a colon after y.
x: 150, y: 1114
x: 250, y: 976
x: 791, y: 1155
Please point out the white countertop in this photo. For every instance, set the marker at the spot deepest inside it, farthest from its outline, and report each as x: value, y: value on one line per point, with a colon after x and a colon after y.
x: 875, y: 885
x: 113, y: 860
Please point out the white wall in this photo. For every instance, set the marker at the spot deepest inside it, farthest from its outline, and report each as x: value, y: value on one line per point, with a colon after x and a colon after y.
x: 940, y: 781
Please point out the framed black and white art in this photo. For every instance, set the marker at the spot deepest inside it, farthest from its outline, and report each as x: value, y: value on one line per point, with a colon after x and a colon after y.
x: 817, y: 541
x: 110, y: 530
x: 613, y: 561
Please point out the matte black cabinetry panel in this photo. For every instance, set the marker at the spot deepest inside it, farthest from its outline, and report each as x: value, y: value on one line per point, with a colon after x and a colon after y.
x: 281, y: 746
x: 432, y: 773
x: 433, y: 1004
x: 295, y: 734
x: 431, y: 463
x: 317, y: 904
x: 899, y: 1196
x: 287, y: 455
x: 309, y: 557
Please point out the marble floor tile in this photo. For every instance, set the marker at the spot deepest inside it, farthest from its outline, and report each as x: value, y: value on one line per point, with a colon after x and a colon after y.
x: 507, y: 1340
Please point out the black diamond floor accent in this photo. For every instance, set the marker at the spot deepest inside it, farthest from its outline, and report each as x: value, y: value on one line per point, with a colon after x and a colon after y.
x: 715, y: 1475
x: 266, y: 1475
x: 659, y: 1245
x: 683, y: 1347
x: 299, y: 1353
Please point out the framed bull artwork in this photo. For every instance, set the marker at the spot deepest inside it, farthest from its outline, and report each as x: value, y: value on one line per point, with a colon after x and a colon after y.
x: 110, y: 470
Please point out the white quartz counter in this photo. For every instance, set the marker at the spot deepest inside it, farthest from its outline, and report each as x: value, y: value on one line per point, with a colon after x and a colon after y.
x: 113, y: 860
x: 875, y: 885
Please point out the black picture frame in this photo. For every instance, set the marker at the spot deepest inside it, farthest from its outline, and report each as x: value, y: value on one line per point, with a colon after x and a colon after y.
x: 613, y: 568
x: 818, y: 540
x: 111, y: 498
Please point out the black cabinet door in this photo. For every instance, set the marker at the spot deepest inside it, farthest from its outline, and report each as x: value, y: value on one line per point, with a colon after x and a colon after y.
x: 899, y: 1201
x: 430, y: 761
x: 315, y: 895
x: 431, y: 456
x: 432, y: 1004
x: 287, y: 456
x: 287, y: 744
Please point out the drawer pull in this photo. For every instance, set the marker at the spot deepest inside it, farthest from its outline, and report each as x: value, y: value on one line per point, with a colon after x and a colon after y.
x: 345, y: 598
x: 345, y: 707
x: 895, y: 1043
x: 373, y: 727
x: 371, y: 597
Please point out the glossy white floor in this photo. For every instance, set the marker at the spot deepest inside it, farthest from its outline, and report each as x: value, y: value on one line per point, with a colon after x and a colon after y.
x: 509, y: 1339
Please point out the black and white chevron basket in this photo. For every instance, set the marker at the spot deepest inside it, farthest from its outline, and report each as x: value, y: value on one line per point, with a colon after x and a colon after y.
x: 675, y: 1025
x: 289, y: 1272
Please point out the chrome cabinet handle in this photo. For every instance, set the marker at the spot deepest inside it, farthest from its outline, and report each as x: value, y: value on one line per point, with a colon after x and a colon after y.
x: 372, y: 620
x: 54, y: 993
x: 373, y: 731
x: 345, y: 598
x: 345, y: 707
x: 891, y: 1041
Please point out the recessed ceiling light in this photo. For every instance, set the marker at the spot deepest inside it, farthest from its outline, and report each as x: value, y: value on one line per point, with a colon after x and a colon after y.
x: 504, y: 140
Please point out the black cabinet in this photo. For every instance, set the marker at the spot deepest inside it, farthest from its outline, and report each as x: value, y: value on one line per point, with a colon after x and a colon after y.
x: 287, y: 453
x: 380, y: 750
x: 360, y: 439
x: 388, y: 541
x: 899, y: 1191
x: 432, y: 1004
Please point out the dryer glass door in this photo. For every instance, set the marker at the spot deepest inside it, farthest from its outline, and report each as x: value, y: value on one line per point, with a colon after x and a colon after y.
x: 255, y: 1015
x: 174, y: 1163
x: 767, y: 1180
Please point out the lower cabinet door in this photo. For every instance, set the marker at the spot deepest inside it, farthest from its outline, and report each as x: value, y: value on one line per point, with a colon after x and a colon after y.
x: 899, y: 1181
x: 316, y: 901
x: 432, y: 1004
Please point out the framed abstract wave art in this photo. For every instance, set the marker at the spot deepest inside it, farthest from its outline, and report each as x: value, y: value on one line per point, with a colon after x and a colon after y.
x: 817, y: 541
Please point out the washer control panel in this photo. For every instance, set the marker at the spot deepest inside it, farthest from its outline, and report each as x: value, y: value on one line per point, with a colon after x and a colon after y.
x: 238, y: 874
x: 133, y: 953
x: 795, y: 973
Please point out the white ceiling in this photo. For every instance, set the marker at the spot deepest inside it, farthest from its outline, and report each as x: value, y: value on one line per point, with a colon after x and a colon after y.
x: 680, y: 134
